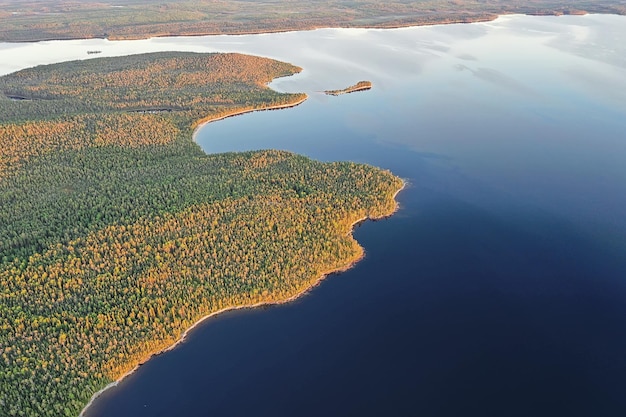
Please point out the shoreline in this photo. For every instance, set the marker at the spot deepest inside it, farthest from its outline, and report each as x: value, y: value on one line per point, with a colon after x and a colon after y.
x: 211, y: 119
x: 263, y: 32
x: 305, y: 291
x: 382, y: 26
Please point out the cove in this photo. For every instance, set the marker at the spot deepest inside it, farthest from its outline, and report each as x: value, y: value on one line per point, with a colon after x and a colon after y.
x: 497, y: 289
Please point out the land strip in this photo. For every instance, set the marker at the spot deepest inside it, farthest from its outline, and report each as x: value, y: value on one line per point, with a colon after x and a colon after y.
x: 36, y: 20
x: 360, y: 86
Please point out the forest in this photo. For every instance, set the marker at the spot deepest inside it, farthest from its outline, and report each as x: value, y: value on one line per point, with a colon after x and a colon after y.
x: 117, y: 232
x: 33, y: 20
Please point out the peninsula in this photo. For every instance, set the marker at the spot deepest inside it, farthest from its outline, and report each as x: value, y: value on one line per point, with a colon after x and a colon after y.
x: 360, y: 86
x: 118, y: 233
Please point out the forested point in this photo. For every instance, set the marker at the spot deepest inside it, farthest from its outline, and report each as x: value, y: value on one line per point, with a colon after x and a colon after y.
x: 117, y: 232
x: 34, y: 20
x: 360, y: 86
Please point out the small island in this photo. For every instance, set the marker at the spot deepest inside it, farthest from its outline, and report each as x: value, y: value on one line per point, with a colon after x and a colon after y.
x: 360, y: 86
x: 118, y: 233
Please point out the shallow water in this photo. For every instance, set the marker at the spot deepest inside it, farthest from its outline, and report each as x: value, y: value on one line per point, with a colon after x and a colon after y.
x: 498, y: 288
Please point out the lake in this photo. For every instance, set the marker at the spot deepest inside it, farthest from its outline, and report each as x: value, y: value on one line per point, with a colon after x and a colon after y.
x: 499, y: 288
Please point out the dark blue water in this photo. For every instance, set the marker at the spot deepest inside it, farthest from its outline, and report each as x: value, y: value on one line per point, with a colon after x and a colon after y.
x: 498, y: 289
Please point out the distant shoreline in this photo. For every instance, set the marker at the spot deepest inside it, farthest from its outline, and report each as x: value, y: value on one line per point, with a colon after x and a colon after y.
x: 390, y: 25
x: 269, y: 31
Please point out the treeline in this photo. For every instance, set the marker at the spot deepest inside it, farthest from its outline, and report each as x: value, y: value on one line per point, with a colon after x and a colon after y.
x: 117, y: 232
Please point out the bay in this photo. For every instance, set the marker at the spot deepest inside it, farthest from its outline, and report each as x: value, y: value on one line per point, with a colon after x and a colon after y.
x: 497, y: 289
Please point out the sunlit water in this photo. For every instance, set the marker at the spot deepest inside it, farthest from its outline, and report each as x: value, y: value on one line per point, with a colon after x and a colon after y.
x: 498, y: 288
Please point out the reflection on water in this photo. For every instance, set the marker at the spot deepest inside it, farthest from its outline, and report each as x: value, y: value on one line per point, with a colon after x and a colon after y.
x: 498, y: 289
x: 527, y: 106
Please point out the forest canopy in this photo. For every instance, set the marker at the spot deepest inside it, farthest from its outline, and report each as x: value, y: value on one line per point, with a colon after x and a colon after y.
x: 117, y: 232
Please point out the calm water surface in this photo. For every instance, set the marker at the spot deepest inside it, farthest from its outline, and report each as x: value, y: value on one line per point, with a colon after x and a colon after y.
x: 499, y: 288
